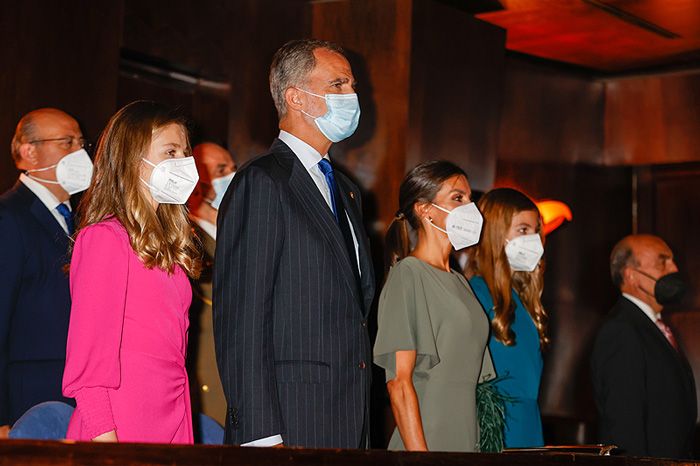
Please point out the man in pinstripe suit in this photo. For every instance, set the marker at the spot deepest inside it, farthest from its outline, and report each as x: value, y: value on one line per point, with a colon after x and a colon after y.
x: 293, y: 278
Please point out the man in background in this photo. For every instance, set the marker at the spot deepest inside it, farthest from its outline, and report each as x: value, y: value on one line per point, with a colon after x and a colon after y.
x: 643, y: 383
x: 216, y: 169
x: 36, y: 221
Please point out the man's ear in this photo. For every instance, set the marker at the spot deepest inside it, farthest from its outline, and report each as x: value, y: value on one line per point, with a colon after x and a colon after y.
x: 293, y: 99
x: 628, y: 277
x: 28, y: 155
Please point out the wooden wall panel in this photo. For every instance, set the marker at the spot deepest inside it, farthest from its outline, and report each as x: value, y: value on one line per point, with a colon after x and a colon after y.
x: 57, y: 54
x: 669, y: 206
x: 550, y: 114
x: 229, y: 41
x: 457, y: 75
x: 652, y: 119
x: 377, y: 36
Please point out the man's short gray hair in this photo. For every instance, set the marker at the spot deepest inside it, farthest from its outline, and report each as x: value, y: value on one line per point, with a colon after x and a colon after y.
x: 292, y: 64
x: 622, y: 256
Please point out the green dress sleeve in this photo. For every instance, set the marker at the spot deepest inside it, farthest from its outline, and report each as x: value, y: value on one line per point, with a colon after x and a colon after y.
x: 404, y: 322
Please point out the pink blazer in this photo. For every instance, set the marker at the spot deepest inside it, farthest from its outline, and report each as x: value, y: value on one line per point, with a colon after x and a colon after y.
x: 125, y: 358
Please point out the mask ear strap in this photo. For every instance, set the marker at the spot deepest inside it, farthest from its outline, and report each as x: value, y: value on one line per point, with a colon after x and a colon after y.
x: 41, y: 169
x: 441, y: 208
x: 646, y: 275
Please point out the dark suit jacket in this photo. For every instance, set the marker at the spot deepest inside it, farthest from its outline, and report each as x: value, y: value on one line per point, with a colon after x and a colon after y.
x: 290, y: 321
x: 34, y: 303
x: 644, y: 388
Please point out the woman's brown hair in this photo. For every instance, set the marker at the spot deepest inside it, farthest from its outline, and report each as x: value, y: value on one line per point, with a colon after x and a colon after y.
x: 161, y: 237
x: 421, y: 184
x: 488, y: 259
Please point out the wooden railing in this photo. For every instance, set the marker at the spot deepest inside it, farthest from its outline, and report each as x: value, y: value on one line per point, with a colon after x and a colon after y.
x: 36, y: 453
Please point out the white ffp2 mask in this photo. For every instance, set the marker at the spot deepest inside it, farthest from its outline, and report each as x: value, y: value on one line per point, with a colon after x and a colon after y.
x: 524, y: 252
x: 172, y: 180
x: 463, y: 225
x: 73, y: 172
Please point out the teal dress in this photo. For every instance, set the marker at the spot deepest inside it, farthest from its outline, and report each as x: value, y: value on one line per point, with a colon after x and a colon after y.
x: 521, y: 367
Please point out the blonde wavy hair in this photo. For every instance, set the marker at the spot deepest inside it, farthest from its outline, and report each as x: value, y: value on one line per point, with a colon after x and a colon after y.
x: 161, y: 237
x: 488, y: 259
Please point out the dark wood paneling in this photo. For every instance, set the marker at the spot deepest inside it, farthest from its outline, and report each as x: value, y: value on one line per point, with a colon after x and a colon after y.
x: 550, y: 115
x: 379, y: 53
x: 457, y: 73
x: 578, y: 291
x: 229, y: 41
x: 57, y: 54
x: 669, y: 206
x: 652, y: 119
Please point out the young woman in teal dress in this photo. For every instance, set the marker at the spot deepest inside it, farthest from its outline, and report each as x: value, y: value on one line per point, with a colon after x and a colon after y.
x: 506, y: 270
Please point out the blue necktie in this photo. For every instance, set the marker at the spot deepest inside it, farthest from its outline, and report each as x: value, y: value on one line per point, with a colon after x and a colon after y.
x: 67, y: 215
x: 339, y: 213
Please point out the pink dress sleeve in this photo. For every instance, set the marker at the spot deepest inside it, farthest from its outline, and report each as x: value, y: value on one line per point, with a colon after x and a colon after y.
x: 98, y: 278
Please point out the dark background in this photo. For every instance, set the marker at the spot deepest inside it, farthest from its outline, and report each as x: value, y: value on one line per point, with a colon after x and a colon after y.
x: 619, y: 147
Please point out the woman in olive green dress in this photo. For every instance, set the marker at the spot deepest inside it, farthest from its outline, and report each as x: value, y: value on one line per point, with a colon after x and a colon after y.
x: 432, y: 330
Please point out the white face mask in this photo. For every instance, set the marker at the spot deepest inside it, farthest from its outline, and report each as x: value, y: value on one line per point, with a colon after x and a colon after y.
x: 220, y: 186
x: 463, y: 225
x: 172, y: 180
x: 524, y: 252
x: 73, y: 172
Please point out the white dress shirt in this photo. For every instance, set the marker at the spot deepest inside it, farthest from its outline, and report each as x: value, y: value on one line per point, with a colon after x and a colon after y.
x: 643, y: 306
x: 309, y: 158
x: 47, y: 198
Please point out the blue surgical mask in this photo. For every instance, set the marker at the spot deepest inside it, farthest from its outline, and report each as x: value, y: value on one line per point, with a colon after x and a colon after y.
x: 342, y: 117
x: 220, y: 186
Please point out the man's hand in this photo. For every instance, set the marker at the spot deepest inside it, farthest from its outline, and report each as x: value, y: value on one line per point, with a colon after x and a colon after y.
x: 4, y: 431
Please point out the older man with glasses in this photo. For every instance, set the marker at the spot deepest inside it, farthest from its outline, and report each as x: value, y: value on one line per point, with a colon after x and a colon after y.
x: 36, y: 222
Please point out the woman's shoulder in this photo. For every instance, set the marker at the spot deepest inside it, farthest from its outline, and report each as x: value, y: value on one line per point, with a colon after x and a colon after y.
x: 478, y: 284
x: 107, y: 230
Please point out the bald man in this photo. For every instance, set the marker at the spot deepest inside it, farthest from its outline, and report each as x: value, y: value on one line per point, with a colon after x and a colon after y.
x: 35, y: 224
x: 216, y: 169
x: 643, y: 384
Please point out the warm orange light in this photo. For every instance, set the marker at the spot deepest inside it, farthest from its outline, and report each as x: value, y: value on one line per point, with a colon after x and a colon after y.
x: 553, y: 214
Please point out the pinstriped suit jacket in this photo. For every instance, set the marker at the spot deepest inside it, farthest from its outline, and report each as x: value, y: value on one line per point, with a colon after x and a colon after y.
x: 289, y: 318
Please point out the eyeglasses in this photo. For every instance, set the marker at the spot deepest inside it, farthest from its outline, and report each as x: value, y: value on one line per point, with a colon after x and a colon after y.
x: 67, y: 142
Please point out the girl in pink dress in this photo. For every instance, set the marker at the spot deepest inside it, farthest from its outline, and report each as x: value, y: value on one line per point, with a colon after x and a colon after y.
x: 134, y: 251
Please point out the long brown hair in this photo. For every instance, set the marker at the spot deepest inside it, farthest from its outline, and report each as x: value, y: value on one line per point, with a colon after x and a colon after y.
x: 488, y: 259
x: 421, y: 184
x: 161, y: 237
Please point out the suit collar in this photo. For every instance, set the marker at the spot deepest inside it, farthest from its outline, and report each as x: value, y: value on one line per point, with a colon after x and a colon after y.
x: 367, y: 267
x: 637, y: 316
x: 46, y: 220
x: 315, y: 208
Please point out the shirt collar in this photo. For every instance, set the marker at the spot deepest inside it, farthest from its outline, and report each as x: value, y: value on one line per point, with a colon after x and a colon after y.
x: 42, y: 192
x: 643, y: 306
x: 307, y: 155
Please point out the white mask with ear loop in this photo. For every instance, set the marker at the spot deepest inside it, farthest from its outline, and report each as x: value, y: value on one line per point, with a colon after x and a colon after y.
x: 73, y: 172
x: 463, y: 225
x: 524, y: 252
x: 172, y: 180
